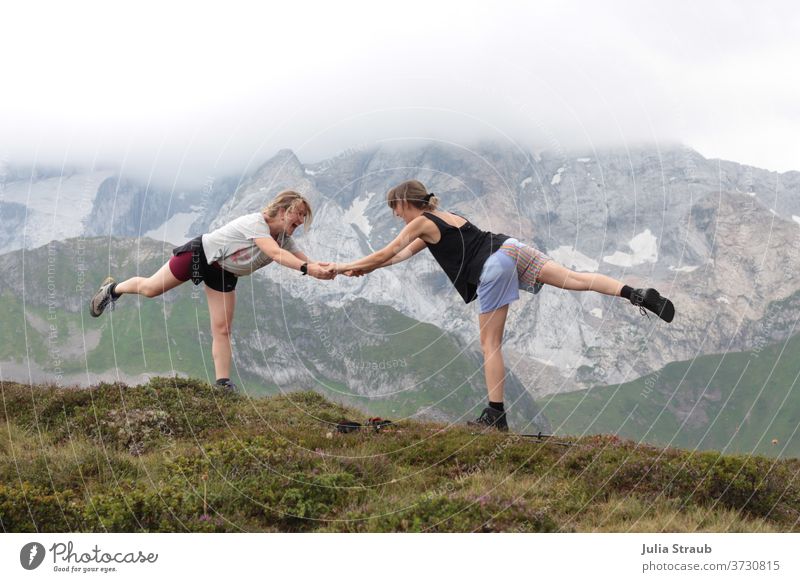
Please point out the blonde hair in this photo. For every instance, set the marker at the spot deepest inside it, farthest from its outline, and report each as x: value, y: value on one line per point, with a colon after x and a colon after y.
x: 289, y: 200
x: 412, y: 192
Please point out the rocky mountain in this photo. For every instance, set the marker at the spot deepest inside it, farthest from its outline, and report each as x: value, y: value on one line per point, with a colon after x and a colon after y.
x: 719, y: 238
x: 714, y: 236
x: 38, y: 205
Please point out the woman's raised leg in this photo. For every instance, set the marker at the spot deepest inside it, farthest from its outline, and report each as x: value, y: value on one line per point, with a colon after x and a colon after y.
x: 220, y: 307
x: 559, y: 276
x: 554, y: 274
x: 161, y: 282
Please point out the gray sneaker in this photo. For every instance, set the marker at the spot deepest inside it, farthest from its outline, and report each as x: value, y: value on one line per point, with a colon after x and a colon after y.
x: 226, y: 386
x: 102, y: 298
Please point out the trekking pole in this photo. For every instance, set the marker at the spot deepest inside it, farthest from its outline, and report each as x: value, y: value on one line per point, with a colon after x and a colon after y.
x: 545, y: 438
x: 539, y: 438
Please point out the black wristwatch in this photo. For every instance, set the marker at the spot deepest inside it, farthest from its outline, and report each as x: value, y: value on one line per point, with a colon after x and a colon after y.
x: 304, y: 268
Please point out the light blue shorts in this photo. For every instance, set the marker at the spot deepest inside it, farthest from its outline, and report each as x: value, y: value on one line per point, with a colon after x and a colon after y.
x: 500, y: 283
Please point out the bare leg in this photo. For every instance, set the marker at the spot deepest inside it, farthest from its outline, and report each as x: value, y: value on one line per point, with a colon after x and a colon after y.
x: 220, y: 307
x: 559, y: 276
x: 153, y: 286
x: 492, y: 325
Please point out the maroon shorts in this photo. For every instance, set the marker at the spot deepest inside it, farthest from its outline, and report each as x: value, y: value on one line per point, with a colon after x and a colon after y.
x: 181, y: 265
x: 189, y: 262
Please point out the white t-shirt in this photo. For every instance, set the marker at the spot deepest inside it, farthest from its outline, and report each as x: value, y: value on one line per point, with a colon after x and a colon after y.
x: 233, y: 245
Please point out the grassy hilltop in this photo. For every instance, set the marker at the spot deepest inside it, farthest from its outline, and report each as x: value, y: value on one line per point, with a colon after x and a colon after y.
x: 176, y: 455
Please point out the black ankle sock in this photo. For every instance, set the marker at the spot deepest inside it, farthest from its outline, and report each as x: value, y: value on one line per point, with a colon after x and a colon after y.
x: 626, y: 292
x: 221, y: 380
x: 497, y: 406
x: 114, y: 295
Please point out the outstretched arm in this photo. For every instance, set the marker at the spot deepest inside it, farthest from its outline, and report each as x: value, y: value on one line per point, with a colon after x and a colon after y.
x: 396, y: 251
x: 302, y: 256
x: 403, y: 255
x: 291, y: 260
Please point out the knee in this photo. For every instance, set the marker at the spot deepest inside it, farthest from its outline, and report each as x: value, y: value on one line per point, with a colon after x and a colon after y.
x: 150, y: 287
x: 221, y: 330
x: 490, y: 345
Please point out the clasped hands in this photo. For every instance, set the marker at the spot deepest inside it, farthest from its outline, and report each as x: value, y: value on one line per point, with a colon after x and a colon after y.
x: 326, y: 270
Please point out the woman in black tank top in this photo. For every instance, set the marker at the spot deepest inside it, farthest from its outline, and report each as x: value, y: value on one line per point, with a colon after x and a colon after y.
x: 462, y: 251
x: 490, y: 267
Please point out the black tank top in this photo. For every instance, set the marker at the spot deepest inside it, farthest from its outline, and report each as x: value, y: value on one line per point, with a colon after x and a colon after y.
x: 461, y: 253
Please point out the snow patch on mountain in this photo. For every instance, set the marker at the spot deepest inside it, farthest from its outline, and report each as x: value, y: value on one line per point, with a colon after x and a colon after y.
x: 573, y: 259
x: 684, y: 269
x: 356, y: 213
x: 176, y: 229
x: 645, y: 250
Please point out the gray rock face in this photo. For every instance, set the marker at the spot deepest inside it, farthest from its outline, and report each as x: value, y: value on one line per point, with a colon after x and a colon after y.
x: 671, y: 220
x: 719, y: 238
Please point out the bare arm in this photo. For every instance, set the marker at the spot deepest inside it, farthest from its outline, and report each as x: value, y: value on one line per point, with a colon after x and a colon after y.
x: 405, y: 254
x: 291, y: 260
x: 283, y: 257
x: 389, y: 254
x: 300, y: 255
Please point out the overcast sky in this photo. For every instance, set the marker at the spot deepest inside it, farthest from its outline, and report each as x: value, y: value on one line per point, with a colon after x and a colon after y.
x: 186, y: 92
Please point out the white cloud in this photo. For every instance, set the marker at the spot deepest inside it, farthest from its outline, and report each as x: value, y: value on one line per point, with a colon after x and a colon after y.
x: 184, y: 91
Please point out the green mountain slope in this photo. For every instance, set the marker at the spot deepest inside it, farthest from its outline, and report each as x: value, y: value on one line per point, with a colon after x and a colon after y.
x: 739, y: 402
x: 176, y: 455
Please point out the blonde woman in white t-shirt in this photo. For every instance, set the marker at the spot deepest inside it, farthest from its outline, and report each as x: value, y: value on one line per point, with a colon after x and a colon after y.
x: 218, y: 259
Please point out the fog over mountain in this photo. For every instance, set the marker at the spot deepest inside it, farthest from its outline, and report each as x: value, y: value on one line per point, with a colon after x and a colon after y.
x: 173, y: 95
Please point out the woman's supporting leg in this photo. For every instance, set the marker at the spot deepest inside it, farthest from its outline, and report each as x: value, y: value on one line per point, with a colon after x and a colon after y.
x: 152, y: 286
x: 492, y: 325
x: 559, y: 276
x: 220, y: 307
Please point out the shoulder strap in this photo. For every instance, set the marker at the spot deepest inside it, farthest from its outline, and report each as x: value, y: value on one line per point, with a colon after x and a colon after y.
x: 438, y: 221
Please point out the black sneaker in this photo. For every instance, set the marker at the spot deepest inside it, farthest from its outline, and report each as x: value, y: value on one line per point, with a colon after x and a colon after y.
x: 102, y: 298
x: 491, y: 418
x: 652, y: 300
x: 226, y: 386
